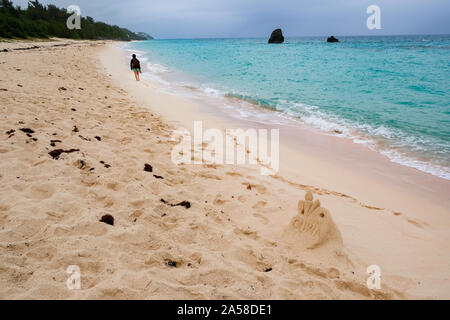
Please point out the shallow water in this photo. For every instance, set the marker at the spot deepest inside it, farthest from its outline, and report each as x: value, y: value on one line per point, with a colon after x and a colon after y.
x: 389, y: 93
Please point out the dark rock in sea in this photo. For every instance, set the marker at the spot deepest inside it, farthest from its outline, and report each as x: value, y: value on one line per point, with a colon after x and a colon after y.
x: 332, y: 39
x: 148, y: 168
x: 276, y: 36
x: 108, y: 219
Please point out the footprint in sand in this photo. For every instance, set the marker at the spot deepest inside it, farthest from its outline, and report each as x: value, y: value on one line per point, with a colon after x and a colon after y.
x: 262, y: 218
x: 41, y: 191
x: 219, y: 201
x: 243, y: 198
x: 258, y: 187
x: 313, y: 225
x: 208, y: 175
x: 259, y: 205
x: 416, y: 223
x: 234, y: 174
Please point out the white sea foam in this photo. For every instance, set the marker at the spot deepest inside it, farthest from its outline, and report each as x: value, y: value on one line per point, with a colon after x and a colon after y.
x: 156, y: 68
x: 212, y: 92
x: 372, y: 137
x: 424, y: 166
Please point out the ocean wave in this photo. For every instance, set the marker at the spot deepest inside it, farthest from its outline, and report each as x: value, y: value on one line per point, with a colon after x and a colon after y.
x: 392, y: 143
x: 387, y: 141
x: 423, y: 166
x: 156, y: 67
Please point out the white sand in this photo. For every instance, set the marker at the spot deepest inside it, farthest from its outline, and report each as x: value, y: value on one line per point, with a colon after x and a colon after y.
x: 242, y: 237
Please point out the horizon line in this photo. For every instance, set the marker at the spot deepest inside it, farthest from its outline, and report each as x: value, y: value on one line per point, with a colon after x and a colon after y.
x: 304, y: 36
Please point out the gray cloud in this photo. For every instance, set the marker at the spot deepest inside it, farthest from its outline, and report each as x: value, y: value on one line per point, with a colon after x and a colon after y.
x: 257, y: 18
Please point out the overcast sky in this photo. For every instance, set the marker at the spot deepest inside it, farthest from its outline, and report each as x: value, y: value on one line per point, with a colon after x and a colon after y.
x: 257, y: 18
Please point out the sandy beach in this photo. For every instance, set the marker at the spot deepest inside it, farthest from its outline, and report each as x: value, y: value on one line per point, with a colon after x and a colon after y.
x: 80, y: 139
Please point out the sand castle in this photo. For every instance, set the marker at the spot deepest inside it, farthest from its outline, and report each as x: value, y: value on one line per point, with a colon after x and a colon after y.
x: 313, y: 225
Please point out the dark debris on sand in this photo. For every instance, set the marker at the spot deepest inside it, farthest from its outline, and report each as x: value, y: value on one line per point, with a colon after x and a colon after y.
x: 83, y: 138
x: 53, y: 142
x: 108, y: 219
x: 185, y: 204
x: 148, y: 168
x: 27, y: 130
x: 81, y: 164
x: 171, y: 263
x: 57, y: 152
x: 105, y: 164
x: 27, y: 48
x: 158, y: 177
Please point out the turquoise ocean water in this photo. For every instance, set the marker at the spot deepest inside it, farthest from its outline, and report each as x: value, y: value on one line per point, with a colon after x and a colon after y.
x: 389, y: 93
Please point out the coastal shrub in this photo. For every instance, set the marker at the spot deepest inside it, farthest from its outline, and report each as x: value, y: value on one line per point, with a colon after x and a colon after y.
x: 40, y: 21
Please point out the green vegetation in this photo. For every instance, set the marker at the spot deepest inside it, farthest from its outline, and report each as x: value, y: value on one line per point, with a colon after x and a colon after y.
x: 39, y: 21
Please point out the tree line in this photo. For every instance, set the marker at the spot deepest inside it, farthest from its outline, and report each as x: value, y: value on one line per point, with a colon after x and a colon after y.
x: 40, y: 21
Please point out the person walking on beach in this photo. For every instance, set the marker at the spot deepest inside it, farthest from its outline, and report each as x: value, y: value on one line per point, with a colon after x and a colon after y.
x: 135, y: 67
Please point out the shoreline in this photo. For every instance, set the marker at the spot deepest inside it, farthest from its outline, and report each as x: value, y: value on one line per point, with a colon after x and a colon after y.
x: 366, y: 158
x: 373, y: 137
x: 335, y: 165
x: 235, y: 241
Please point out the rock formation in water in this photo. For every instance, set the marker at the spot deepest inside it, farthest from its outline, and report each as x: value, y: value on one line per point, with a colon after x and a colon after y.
x: 332, y: 39
x: 276, y: 36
